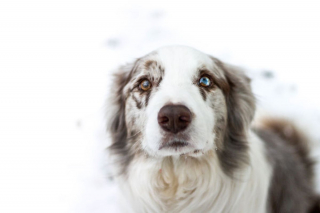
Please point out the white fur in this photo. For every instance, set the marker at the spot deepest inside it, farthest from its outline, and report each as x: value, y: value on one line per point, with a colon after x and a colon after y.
x: 189, y: 185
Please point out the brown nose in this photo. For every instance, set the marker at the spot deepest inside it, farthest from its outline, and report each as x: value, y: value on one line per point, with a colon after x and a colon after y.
x: 174, y: 118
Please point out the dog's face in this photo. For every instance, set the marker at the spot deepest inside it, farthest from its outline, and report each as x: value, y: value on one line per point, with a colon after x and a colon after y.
x: 173, y: 100
x: 179, y: 101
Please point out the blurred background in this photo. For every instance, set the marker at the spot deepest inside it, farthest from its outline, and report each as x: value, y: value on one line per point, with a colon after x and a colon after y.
x: 56, y: 58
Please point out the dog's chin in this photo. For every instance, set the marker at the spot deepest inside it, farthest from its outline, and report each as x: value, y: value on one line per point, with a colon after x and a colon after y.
x: 179, y: 148
x: 181, y: 152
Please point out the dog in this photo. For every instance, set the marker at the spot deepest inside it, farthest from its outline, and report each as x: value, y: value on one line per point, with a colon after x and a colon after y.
x: 182, y: 140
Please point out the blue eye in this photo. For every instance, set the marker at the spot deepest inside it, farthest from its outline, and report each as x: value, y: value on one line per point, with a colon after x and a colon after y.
x: 204, y: 81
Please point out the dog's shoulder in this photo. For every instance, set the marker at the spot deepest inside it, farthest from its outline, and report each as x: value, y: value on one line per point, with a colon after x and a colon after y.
x: 287, y: 150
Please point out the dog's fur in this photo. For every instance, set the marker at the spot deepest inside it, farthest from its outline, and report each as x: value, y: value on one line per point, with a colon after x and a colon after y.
x: 227, y: 166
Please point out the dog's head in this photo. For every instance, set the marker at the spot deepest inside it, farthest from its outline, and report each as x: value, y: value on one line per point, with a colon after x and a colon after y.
x: 179, y: 101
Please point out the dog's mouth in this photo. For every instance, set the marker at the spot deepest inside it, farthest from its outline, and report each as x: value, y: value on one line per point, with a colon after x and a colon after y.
x: 176, y: 145
x: 180, y: 147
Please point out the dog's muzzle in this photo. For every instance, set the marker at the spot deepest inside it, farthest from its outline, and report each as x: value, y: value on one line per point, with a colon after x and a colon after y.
x: 174, y: 119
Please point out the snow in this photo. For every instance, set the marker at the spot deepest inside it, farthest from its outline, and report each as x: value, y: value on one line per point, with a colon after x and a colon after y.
x: 55, y: 63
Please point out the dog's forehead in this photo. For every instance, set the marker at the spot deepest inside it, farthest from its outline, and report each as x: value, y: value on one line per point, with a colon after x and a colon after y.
x: 182, y: 61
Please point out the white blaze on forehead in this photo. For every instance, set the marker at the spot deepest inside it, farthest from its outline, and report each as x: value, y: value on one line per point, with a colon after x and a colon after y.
x: 183, y: 61
x: 181, y: 68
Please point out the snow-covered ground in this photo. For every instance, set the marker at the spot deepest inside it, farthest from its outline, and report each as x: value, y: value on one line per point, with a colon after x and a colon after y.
x: 56, y: 57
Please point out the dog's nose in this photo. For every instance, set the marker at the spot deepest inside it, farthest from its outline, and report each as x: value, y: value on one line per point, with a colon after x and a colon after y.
x: 174, y: 118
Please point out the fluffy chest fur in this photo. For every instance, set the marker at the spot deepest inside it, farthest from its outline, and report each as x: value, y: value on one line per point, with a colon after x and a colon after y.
x: 188, y: 184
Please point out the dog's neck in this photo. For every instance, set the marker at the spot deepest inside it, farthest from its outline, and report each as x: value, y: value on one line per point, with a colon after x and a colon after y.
x: 170, y: 182
x: 179, y: 177
x: 196, y: 184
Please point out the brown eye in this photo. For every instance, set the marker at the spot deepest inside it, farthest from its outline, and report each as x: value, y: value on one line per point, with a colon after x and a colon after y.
x: 145, y: 85
x: 204, y: 81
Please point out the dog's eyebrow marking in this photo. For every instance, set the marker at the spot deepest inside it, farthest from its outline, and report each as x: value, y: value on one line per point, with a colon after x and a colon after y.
x: 150, y: 63
x: 138, y: 103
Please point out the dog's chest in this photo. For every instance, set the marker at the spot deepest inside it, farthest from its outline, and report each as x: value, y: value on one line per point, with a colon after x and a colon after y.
x: 168, y: 186
x: 187, y: 186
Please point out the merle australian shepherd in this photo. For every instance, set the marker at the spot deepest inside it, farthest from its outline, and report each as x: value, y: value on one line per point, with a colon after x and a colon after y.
x: 182, y: 141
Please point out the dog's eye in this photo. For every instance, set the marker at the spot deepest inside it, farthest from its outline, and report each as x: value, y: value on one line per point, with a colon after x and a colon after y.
x: 204, y: 81
x: 145, y: 85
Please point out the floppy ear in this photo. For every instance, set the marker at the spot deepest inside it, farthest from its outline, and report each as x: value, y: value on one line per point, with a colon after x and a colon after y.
x: 116, y: 116
x: 240, y: 112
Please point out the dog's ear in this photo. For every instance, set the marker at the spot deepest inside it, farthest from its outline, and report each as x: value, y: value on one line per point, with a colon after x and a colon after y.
x: 116, y: 101
x: 240, y: 103
x: 116, y: 116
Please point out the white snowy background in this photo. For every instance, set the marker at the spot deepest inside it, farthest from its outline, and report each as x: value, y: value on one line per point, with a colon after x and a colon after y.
x: 56, y: 57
